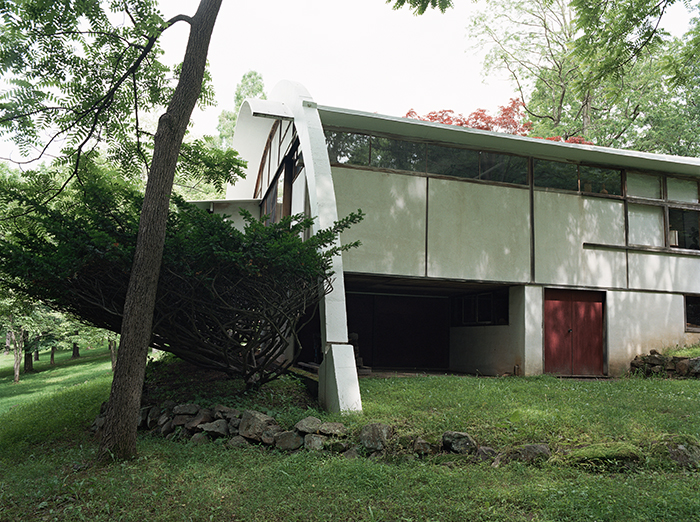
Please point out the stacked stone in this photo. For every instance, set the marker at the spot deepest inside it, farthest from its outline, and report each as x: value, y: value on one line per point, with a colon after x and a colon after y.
x: 377, y: 440
x: 656, y: 364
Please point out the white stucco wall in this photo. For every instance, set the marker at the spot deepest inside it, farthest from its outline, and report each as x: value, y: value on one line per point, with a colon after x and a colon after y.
x: 534, y: 330
x: 640, y: 321
x: 664, y: 272
x: 393, y: 230
x: 563, y: 223
x: 479, y: 232
x: 492, y: 350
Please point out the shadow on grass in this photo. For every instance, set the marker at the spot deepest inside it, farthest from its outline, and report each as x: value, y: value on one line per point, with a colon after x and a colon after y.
x: 50, y: 379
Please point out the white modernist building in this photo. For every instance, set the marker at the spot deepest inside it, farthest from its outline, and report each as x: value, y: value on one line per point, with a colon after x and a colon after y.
x: 481, y: 252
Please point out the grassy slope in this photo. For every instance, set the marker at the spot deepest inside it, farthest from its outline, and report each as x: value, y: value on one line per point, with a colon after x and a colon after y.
x: 46, y: 471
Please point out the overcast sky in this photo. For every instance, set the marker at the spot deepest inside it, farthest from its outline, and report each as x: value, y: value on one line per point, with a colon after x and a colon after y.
x: 354, y: 54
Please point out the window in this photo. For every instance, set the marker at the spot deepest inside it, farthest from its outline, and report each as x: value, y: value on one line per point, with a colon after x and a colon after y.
x: 481, y: 309
x: 504, y: 168
x: 598, y: 180
x: 646, y: 225
x: 577, y: 178
x: 450, y: 161
x: 671, y: 220
x: 692, y: 313
x: 684, y: 228
x: 347, y: 148
x: 643, y: 186
x: 553, y: 174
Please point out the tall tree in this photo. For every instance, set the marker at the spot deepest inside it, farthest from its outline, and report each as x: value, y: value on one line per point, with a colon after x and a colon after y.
x: 86, y: 73
x: 533, y: 40
x: 250, y: 86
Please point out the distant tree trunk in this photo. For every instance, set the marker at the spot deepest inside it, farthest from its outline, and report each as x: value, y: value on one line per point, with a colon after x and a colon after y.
x: 28, y: 362
x: 113, y: 352
x: 53, y: 352
x: 18, y: 343
x: 118, y: 436
x: 76, y: 351
x: 36, y: 355
x: 8, y: 342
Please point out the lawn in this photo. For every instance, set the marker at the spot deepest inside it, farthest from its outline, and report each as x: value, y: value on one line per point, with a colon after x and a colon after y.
x: 47, y: 471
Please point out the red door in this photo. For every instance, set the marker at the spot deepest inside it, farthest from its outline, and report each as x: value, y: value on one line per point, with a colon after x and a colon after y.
x: 573, y: 332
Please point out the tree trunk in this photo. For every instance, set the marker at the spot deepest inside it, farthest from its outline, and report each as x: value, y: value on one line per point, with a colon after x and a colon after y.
x: 113, y: 352
x: 36, y: 355
x: 28, y: 362
x: 76, y: 351
x: 53, y: 352
x: 8, y: 342
x: 118, y: 437
x: 19, y: 348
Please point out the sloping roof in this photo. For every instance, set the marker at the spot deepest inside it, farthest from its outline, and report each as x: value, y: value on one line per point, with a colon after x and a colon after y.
x: 411, y: 129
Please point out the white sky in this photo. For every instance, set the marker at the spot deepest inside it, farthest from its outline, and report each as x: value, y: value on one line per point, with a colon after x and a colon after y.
x: 355, y: 54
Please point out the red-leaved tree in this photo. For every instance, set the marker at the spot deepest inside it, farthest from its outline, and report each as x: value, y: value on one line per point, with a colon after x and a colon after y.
x: 509, y: 120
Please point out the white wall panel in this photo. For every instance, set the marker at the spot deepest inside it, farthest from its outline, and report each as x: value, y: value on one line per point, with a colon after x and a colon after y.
x: 393, y: 230
x: 563, y: 223
x: 479, y: 232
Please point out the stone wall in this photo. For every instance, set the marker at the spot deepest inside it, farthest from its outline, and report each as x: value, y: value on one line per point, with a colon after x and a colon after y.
x: 657, y: 364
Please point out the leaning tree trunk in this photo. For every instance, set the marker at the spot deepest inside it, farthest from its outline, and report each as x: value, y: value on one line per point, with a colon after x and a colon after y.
x: 118, y: 436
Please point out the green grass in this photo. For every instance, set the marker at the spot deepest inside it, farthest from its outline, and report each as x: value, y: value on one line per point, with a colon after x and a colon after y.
x: 46, y: 380
x: 688, y: 351
x: 47, y: 470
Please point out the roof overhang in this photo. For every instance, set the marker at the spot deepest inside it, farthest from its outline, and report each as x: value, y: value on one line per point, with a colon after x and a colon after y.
x: 411, y: 129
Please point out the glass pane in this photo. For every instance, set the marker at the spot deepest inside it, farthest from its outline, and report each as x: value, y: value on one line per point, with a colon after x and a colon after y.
x: 643, y: 185
x: 469, y: 310
x: 684, y: 226
x: 553, y: 174
x: 597, y: 180
x: 682, y: 190
x: 449, y: 161
x: 646, y: 225
x: 485, y: 308
x: 504, y: 168
x: 692, y: 311
x: 398, y: 155
x: 347, y: 148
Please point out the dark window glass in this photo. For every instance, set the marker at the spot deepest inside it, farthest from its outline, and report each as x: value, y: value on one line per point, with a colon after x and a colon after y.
x: 347, y: 148
x: 397, y: 154
x: 692, y: 312
x: 469, y: 310
x: 503, y: 168
x: 449, y: 161
x: 553, y: 174
x: 486, y: 308
x: 684, y: 226
x: 600, y: 181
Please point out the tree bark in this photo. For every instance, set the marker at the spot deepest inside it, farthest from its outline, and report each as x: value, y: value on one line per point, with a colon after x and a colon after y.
x: 18, y: 348
x: 8, y: 342
x: 118, y: 436
x: 36, y: 355
x: 76, y: 351
x: 53, y: 353
x: 28, y: 362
